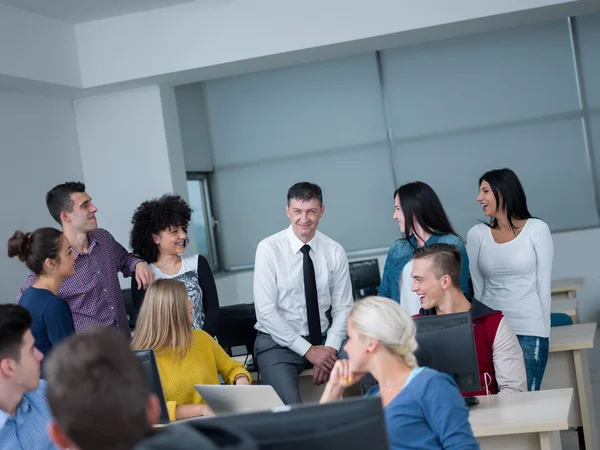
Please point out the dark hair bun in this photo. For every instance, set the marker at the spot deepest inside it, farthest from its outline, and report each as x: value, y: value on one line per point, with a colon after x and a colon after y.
x: 19, y: 245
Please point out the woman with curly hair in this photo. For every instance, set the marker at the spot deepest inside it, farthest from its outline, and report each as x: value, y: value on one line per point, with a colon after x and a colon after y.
x: 159, y: 236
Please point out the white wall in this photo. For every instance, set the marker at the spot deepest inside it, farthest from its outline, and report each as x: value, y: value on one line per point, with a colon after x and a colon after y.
x: 39, y: 151
x: 37, y: 48
x: 129, y: 153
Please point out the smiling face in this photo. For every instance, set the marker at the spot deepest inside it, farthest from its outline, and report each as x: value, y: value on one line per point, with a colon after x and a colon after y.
x: 487, y: 200
x: 83, y: 216
x: 304, y: 217
x: 65, y: 265
x: 425, y: 283
x: 399, y: 215
x: 171, y: 240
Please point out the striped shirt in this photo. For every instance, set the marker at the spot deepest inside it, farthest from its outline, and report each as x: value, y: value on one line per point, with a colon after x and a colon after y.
x: 28, y: 429
x: 93, y: 293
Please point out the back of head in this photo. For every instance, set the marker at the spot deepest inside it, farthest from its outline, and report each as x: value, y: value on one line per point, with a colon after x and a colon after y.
x: 98, y: 391
x: 154, y: 216
x: 421, y: 204
x: 506, y: 183
x: 34, y: 248
x: 14, y: 323
x: 385, y: 320
x: 163, y: 322
x: 445, y: 260
x: 58, y: 199
x: 305, y: 192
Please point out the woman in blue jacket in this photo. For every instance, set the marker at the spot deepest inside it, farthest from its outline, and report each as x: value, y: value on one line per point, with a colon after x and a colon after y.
x: 422, y: 219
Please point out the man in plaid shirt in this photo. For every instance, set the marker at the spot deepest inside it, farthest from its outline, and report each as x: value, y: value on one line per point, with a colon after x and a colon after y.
x: 93, y: 293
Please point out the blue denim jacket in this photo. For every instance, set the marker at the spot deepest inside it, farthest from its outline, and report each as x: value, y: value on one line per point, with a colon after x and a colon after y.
x: 401, y: 252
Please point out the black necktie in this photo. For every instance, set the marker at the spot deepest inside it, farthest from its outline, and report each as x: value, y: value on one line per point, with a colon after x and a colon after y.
x: 312, y: 302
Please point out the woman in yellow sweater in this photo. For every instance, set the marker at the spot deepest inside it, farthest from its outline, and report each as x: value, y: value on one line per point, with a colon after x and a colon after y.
x: 185, y: 357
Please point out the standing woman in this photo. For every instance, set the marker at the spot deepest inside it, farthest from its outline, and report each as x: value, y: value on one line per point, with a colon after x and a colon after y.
x: 422, y: 219
x: 159, y: 236
x: 511, y: 266
x: 48, y: 254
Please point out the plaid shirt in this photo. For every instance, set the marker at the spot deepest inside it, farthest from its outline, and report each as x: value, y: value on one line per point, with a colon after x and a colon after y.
x: 93, y: 293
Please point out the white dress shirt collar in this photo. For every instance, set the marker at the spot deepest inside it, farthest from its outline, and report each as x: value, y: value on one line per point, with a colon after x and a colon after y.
x: 297, y: 244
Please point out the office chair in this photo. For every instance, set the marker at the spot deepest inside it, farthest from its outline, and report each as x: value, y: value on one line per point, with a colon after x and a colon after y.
x: 560, y: 320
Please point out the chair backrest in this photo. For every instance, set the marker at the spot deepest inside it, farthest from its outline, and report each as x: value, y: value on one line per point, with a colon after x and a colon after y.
x: 560, y: 320
x: 236, y: 327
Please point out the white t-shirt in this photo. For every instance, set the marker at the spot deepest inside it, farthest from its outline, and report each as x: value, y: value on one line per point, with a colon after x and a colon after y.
x: 188, y: 273
x: 409, y: 300
x: 514, y: 277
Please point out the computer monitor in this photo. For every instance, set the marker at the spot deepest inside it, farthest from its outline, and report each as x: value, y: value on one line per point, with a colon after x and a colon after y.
x: 446, y: 344
x: 350, y: 424
x: 148, y: 361
x: 365, y: 278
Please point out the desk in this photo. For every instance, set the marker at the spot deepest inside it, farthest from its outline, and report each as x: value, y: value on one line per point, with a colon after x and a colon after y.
x: 521, y: 421
x: 568, y: 367
x: 566, y: 286
x: 566, y: 306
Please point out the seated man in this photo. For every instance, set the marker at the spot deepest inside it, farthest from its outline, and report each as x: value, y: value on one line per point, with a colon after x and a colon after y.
x: 99, y: 394
x: 299, y: 274
x: 436, y: 280
x: 24, y: 411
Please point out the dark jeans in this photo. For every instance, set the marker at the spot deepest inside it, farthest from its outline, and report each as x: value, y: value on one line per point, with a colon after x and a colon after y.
x: 535, y: 353
x: 280, y: 367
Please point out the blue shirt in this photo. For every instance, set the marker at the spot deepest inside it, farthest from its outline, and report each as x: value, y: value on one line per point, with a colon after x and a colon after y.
x: 52, y: 320
x: 428, y: 414
x: 401, y: 252
x: 28, y: 429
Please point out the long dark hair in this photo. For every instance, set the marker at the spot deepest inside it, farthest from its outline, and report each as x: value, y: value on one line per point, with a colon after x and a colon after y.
x: 514, y: 201
x: 419, y: 202
x: 34, y: 248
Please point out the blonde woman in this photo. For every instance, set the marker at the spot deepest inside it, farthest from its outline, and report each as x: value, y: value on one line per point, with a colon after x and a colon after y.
x: 423, y: 408
x: 185, y: 356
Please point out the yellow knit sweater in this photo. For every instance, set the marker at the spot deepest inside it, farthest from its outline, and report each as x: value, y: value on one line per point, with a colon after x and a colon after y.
x: 202, y: 364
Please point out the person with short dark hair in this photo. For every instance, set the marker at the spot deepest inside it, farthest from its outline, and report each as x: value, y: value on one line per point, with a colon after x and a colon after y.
x: 159, y: 236
x: 98, y: 393
x: 93, y: 293
x: 436, y: 280
x: 48, y: 254
x: 511, y: 266
x: 299, y: 274
x: 24, y: 411
x: 423, y: 221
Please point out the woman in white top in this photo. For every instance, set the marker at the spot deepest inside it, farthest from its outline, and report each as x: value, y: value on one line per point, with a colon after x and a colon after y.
x: 511, y: 266
x: 159, y: 236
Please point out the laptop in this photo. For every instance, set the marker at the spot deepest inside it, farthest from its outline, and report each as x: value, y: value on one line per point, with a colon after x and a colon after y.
x: 226, y: 399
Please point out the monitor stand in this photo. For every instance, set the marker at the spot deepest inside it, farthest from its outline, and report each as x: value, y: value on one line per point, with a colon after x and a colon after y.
x: 471, y: 401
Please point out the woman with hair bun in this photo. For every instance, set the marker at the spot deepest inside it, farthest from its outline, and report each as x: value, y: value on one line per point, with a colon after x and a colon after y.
x: 423, y: 408
x: 48, y: 254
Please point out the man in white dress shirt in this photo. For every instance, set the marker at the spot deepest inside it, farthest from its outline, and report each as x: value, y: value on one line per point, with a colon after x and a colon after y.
x: 299, y: 275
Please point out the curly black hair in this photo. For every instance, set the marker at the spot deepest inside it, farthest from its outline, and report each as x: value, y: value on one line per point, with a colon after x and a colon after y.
x: 154, y: 216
